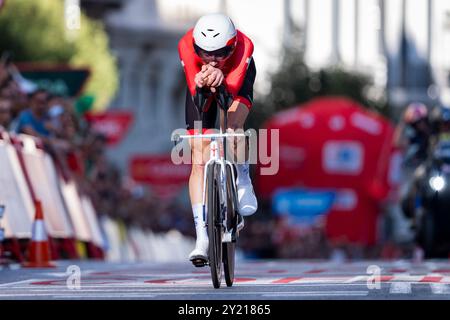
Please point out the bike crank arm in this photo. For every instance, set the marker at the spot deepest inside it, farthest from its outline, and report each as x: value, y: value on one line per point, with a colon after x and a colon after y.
x: 231, y: 236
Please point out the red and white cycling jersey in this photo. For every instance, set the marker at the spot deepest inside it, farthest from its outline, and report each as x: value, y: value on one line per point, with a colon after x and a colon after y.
x: 234, y: 70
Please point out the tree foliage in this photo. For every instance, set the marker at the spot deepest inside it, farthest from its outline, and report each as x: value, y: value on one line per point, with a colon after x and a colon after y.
x: 34, y: 31
x: 295, y: 83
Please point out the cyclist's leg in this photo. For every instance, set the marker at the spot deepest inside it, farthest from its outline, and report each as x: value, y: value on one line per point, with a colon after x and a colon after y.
x: 236, y: 116
x: 199, y: 156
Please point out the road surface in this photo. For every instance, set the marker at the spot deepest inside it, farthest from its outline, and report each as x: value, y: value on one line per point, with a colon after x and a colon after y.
x: 255, y: 280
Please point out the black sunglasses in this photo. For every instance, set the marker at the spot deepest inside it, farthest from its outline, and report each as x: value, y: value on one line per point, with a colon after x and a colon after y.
x: 219, y: 54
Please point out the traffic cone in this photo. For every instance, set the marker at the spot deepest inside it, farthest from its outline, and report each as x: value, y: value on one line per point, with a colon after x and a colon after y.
x: 39, y: 254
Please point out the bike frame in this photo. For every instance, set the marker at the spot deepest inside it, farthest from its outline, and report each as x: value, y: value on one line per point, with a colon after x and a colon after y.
x: 217, y: 157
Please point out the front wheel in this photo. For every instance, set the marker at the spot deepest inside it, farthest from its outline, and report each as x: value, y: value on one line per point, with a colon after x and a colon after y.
x: 214, y: 225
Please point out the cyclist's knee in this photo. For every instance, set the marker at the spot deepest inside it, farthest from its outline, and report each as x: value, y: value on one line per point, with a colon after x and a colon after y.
x: 198, y: 168
x: 237, y: 115
x: 199, y: 151
x: 235, y: 141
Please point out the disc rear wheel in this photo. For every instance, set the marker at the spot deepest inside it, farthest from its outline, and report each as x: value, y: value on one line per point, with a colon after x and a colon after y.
x: 214, y: 225
x: 230, y: 247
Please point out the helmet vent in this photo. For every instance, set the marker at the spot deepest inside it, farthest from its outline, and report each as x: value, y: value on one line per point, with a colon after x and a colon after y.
x: 203, y: 34
x: 216, y: 34
x: 210, y: 29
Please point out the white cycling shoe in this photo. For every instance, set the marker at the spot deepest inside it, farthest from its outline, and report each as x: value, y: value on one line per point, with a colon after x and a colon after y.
x: 199, y: 256
x: 246, y: 198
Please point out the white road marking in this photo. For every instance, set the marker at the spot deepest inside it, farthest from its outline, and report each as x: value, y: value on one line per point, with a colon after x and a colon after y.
x: 401, y: 264
x: 400, y: 287
x: 439, y: 288
x: 57, y: 274
x: 112, y: 289
x: 16, y: 282
x: 401, y: 283
x: 190, y: 293
x: 356, y: 279
x: 430, y: 265
x: 317, y: 294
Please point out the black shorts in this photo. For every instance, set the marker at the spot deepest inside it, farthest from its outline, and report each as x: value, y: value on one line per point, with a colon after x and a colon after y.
x: 209, y: 116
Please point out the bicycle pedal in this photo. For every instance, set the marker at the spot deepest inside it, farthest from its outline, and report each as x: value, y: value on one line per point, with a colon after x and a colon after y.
x: 241, y: 224
x: 227, y: 236
x: 199, y: 262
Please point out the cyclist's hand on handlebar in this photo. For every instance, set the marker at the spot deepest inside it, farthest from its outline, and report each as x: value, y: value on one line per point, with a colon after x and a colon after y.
x: 214, y: 76
x: 217, y: 81
x: 199, y: 79
x: 202, y: 77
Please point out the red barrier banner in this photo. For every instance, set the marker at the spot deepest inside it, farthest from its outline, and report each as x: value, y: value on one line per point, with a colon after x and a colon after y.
x: 113, y: 125
x: 336, y: 144
x: 164, y: 177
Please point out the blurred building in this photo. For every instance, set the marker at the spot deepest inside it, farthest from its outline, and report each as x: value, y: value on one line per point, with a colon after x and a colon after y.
x: 402, y: 44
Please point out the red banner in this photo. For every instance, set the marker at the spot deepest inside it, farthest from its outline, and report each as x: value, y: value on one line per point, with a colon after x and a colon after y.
x: 336, y: 144
x: 112, y: 124
x: 165, y: 178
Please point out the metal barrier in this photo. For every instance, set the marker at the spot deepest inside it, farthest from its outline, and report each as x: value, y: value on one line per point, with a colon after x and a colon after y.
x: 44, y: 182
x: 28, y: 173
x: 14, y: 193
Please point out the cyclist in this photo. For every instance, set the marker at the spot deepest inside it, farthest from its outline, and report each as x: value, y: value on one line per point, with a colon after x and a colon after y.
x: 214, y: 53
x: 413, y: 134
x: 441, y: 123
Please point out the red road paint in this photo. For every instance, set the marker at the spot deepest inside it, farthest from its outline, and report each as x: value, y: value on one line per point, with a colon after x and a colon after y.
x: 160, y: 281
x: 398, y: 270
x: 244, y: 279
x: 313, y: 271
x: 433, y: 279
x: 287, y: 280
x: 63, y: 283
x: 276, y: 271
x: 47, y: 283
x: 100, y: 273
x: 166, y: 281
x: 85, y: 280
x: 386, y: 278
x: 441, y: 271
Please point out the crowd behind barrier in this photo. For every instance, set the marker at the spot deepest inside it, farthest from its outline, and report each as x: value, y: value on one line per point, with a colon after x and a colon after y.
x: 70, y: 214
x: 49, y: 152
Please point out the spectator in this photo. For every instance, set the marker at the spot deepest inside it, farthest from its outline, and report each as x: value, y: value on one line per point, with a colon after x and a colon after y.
x: 3, y: 74
x: 56, y: 112
x: 34, y: 121
x: 79, y: 154
x: 413, y: 134
x: 5, y: 113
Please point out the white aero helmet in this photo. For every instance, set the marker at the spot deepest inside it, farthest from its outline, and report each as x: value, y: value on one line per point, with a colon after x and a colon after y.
x: 214, y: 37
